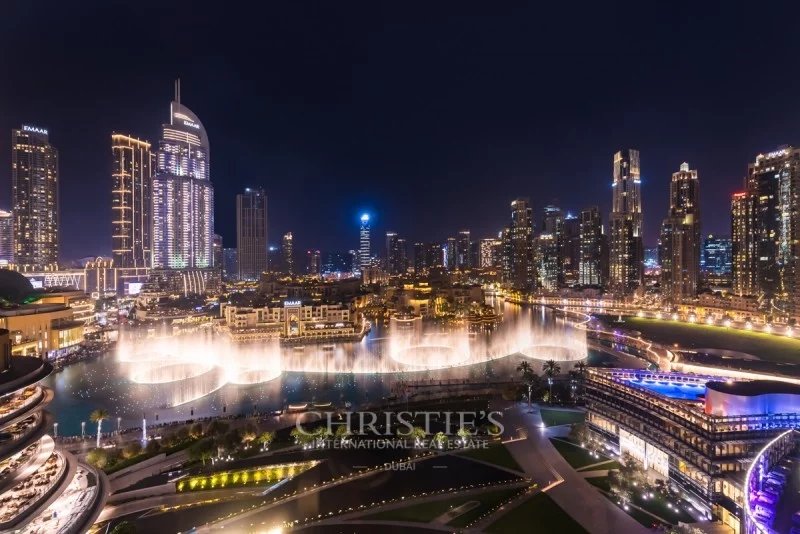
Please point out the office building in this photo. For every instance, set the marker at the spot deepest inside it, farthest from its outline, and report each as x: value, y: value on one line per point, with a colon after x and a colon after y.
x: 230, y: 267
x: 548, y: 266
x: 520, y: 269
x: 772, y: 186
x: 216, y: 256
x: 592, y: 244
x: 336, y: 263
x: 287, y: 252
x: 419, y: 257
x: 570, y: 250
x: 34, y: 198
x: 402, y: 258
x: 313, y: 262
x: 449, y: 253
x: 490, y: 253
x: 251, y: 233
x: 679, y: 249
x: 743, y: 254
x: 463, y: 242
x: 393, y: 255
x: 364, y: 251
x: 131, y: 201
x: 716, y: 259
x: 183, y: 197
x: 6, y: 237
x: 626, y: 262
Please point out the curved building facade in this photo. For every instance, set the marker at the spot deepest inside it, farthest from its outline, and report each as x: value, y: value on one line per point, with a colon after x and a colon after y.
x: 43, y: 487
x: 183, y: 197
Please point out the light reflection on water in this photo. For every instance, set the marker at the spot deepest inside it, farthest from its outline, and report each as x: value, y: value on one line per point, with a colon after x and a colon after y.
x: 212, y: 376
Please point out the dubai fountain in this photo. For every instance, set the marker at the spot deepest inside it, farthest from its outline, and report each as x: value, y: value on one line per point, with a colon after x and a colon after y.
x: 175, y: 370
x: 167, y: 378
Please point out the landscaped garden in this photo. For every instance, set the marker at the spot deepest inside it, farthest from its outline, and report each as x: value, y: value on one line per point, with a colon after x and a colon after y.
x: 495, y: 454
x: 538, y: 514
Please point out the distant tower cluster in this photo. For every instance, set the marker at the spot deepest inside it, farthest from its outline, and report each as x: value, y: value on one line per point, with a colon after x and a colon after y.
x: 34, y: 198
x: 287, y: 252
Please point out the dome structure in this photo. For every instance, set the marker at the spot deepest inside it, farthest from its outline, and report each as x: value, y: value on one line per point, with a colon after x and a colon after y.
x: 15, y: 288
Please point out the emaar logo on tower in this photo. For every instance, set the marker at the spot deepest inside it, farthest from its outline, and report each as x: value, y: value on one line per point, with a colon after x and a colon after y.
x: 34, y: 129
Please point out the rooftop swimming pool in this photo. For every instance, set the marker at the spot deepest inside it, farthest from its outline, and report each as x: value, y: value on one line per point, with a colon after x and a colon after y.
x: 673, y: 390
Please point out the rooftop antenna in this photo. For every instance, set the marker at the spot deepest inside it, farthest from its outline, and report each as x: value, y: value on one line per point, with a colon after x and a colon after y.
x: 178, y: 90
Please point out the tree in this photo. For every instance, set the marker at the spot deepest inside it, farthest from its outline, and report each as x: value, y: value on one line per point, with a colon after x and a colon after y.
x: 440, y: 438
x: 217, y: 428
x: 265, y: 438
x: 248, y: 437
x: 464, y: 434
x: 202, y: 450
x: 134, y: 448
x: 152, y: 446
x: 98, y: 416
x: 343, y: 433
x: 98, y: 458
x: 551, y: 369
x: 529, y: 377
x: 578, y: 433
x: 196, y: 431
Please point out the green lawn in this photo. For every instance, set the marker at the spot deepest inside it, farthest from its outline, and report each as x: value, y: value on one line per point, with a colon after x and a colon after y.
x: 599, y: 482
x: 495, y: 454
x: 701, y: 336
x: 576, y: 456
x: 538, y: 514
x: 553, y: 417
x: 428, y: 511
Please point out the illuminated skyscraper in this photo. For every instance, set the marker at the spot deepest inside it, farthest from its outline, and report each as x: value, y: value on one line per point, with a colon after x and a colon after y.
x: 402, y: 255
x: 591, y: 248
x: 570, y: 250
x: 287, y: 251
x: 419, y: 257
x: 520, y: 271
x: 183, y: 197
x: 364, y: 252
x: 716, y: 259
x: 313, y: 261
x: 680, y: 237
x: 449, y: 255
x: 546, y: 251
x: 463, y: 244
x: 217, y: 255
x: 392, y: 253
x: 626, y: 262
x: 773, y: 186
x: 251, y: 233
x: 34, y: 198
x: 131, y: 201
x: 490, y: 253
x: 6, y: 237
x: 743, y: 244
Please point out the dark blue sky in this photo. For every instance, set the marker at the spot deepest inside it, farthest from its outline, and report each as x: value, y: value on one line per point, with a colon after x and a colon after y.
x: 433, y: 116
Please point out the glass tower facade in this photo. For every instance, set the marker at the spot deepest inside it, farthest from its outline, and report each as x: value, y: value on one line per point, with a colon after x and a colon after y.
x: 626, y: 262
x: 131, y: 201
x: 34, y: 198
x: 183, y: 197
x: 251, y: 233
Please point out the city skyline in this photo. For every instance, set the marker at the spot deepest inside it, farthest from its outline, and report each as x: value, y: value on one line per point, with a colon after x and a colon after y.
x: 266, y: 142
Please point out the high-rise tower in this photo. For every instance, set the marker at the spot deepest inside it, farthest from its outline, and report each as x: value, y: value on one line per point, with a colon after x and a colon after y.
x: 251, y: 233
x: 520, y: 271
x: 183, y: 197
x: 680, y: 237
x: 364, y: 257
x: 626, y: 262
x: 34, y: 198
x: 131, y: 201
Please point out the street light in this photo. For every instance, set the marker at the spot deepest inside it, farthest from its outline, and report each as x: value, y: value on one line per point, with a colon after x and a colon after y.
x: 83, y: 429
x: 119, y: 420
x: 55, y: 430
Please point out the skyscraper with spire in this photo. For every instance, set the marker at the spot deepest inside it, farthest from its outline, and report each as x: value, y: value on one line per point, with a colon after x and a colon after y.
x: 183, y: 197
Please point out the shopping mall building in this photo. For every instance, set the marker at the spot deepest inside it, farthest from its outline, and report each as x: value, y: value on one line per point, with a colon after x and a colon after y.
x: 700, y: 433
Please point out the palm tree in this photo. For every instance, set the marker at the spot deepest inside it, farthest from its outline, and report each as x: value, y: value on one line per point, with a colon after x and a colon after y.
x: 97, y: 416
x: 551, y: 369
x: 529, y: 377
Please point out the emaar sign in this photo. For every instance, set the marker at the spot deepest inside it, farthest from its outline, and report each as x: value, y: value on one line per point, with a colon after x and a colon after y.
x: 34, y: 129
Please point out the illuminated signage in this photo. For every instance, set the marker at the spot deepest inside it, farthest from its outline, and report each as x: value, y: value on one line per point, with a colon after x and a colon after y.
x: 34, y: 129
x: 191, y: 125
x: 289, y: 303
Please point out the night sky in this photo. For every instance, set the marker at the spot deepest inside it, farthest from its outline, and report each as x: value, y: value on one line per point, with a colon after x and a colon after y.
x: 431, y: 116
